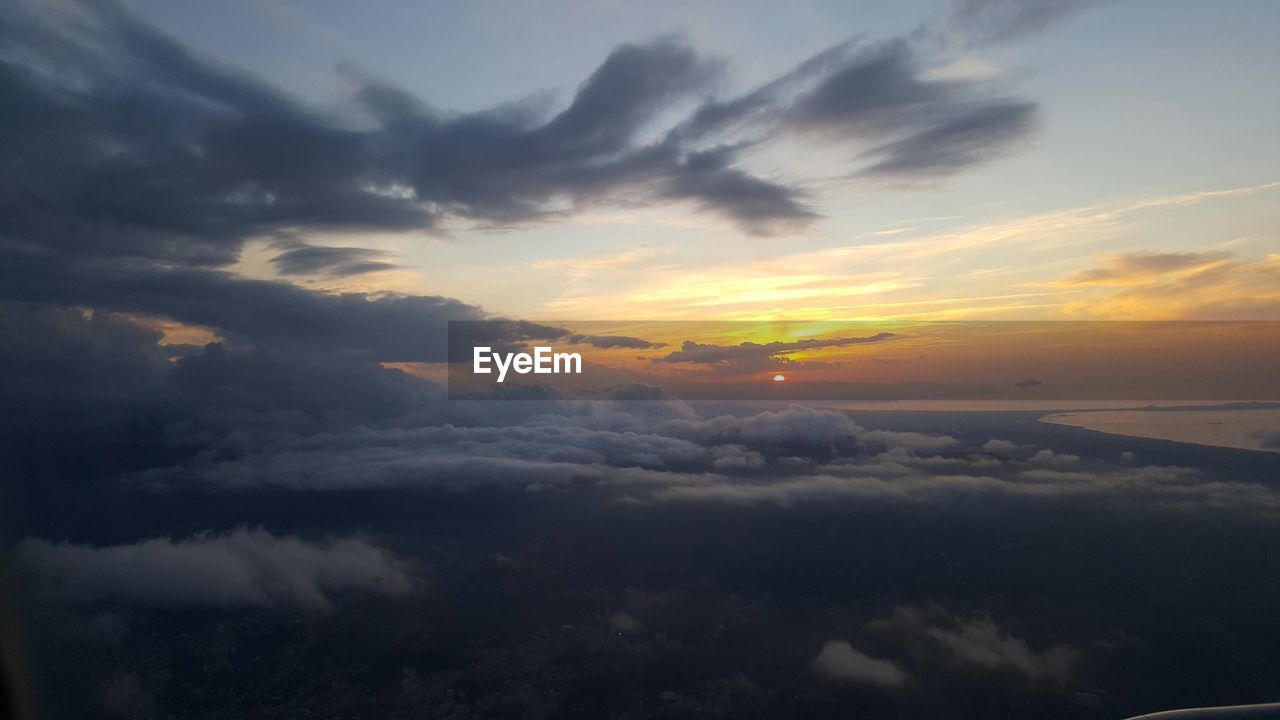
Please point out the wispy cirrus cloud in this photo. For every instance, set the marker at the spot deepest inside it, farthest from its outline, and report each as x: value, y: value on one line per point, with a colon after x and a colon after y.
x: 917, y: 273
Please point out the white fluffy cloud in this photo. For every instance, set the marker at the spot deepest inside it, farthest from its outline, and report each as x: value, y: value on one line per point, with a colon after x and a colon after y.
x: 241, y: 568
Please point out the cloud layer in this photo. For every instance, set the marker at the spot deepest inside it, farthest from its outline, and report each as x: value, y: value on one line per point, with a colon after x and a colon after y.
x: 240, y: 568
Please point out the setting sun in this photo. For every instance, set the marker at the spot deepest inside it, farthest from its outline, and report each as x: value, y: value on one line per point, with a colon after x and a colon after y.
x: 779, y: 378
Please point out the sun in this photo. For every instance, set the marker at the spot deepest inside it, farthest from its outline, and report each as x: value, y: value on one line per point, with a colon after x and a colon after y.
x: 779, y: 378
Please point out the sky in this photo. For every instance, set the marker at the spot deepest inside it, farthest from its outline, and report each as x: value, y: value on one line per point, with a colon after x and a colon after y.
x: 314, y: 178
x: 1148, y: 162
x: 236, y: 237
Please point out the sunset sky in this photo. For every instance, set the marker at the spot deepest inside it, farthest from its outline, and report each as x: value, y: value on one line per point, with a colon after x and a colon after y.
x: 1140, y: 181
x: 927, y: 349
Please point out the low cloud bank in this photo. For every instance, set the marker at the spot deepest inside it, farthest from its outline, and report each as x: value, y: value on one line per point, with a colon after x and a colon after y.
x: 242, y: 568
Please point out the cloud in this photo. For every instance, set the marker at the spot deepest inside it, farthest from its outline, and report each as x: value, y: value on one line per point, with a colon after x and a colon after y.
x: 633, y: 391
x: 840, y: 662
x: 1206, y: 287
x: 609, y: 342
x: 886, y: 478
x: 920, y: 123
x: 995, y: 445
x: 139, y: 168
x: 912, y: 441
x: 979, y: 643
x: 1050, y: 458
x: 663, y: 454
x: 144, y: 142
x: 984, y: 644
x: 230, y: 417
x: 159, y: 164
x: 1028, y: 383
x: 625, y: 623
x: 1136, y: 268
x: 964, y: 68
x: 795, y: 431
x: 241, y: 568
x: 985, y: 21
x: 303, y: 259
x: 750, y: 355
x: 384, y: 326
x: 970, y: 138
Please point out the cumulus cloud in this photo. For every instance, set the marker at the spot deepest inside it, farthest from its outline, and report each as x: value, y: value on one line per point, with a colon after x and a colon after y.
x: 241, y: 568
x: 841, y: 662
